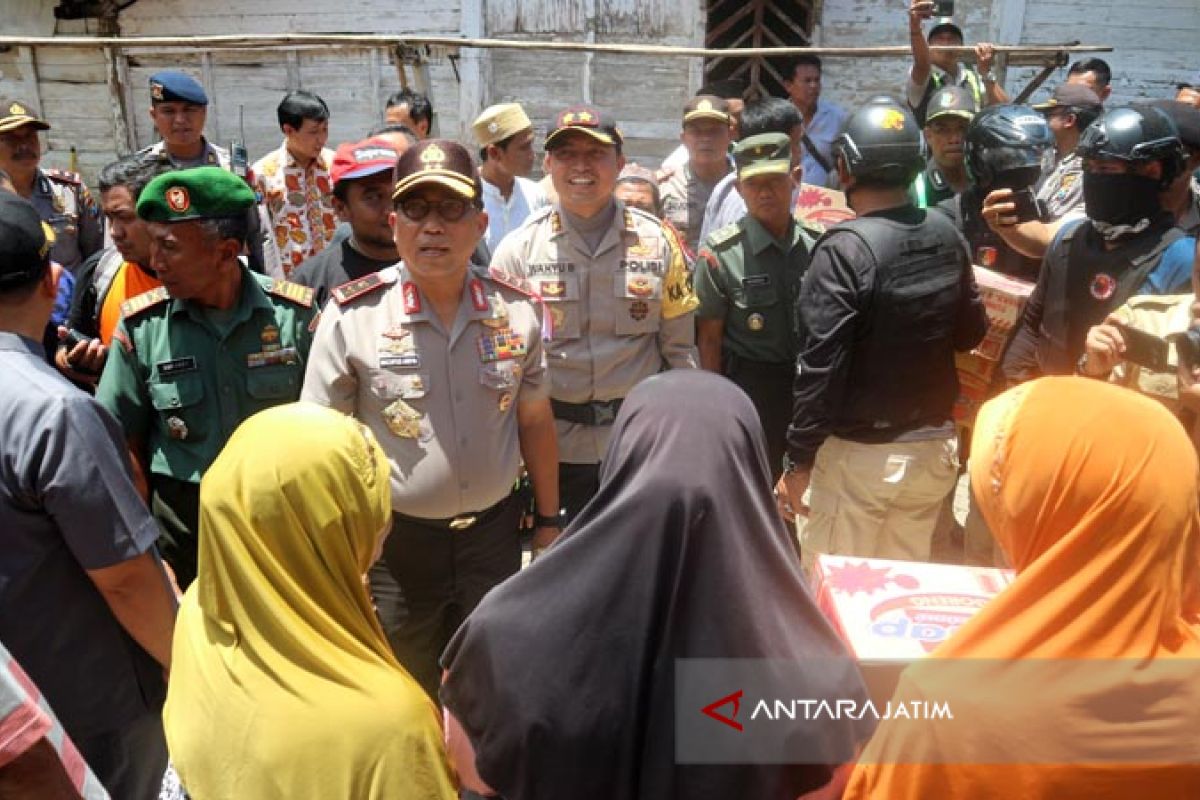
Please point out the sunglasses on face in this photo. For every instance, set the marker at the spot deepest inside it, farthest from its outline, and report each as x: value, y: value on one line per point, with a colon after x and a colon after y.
x: 416, y: 209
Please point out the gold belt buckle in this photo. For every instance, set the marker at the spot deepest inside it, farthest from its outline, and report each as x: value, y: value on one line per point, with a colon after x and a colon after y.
x: 462, y: 523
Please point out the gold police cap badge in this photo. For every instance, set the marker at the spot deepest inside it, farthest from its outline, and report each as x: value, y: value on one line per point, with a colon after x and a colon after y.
x: 704, y: 105
x: 17, y: 110
x: 433, y: 157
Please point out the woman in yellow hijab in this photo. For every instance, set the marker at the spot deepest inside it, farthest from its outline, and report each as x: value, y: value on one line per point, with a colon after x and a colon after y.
x: 283, y: 684
x: 1082, y: 679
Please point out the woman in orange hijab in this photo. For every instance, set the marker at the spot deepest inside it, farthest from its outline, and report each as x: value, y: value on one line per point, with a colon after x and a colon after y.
x: 1082, y: 679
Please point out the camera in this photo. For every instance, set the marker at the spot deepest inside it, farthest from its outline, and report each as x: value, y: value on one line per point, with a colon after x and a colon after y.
x: 1187, y: 347
x: 943, y: 8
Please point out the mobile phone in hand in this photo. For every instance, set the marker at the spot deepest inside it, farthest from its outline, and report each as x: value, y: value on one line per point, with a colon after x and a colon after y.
x: 943, y: 8
x: 73, y: 338
x: 1029, y: 207
x: 1145, y: 349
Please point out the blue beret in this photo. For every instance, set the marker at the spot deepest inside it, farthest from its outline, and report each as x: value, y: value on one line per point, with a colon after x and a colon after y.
x: 168, y: 86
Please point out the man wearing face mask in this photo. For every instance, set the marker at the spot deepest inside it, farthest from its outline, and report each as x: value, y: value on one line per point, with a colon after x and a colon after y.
x: 1128, y: 244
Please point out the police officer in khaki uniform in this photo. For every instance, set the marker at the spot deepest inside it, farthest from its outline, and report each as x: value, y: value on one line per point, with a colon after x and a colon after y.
x: 446, y: 367
x: 685, y: 189
x: 747, y: 280
x: 193, y: 358
x: 616, y: 289
x: 61, y: 198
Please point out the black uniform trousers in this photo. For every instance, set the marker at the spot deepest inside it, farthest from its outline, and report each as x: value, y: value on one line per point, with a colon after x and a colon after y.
x: 442, y: 574
x: 769, y: 385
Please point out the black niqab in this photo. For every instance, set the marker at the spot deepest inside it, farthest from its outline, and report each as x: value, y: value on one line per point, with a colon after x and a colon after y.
x: 563, y: 677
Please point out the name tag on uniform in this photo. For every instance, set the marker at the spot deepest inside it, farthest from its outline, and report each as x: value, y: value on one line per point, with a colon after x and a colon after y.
x: 407, y: 360
x: 756, y: 281
x: 271, y: 358
x: 176, y: 366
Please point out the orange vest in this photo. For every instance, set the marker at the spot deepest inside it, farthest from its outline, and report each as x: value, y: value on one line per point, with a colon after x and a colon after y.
x: 130, y: 281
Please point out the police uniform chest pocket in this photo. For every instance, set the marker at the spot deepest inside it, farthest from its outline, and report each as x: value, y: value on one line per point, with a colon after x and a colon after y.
x: 638, y: 302
x: 274, y: 383
x: 179, y: 404
x: 389, y: 386
x: 64, y: 223
x: 500, y: 375
x: 756, y: 291
x: 560, y: 293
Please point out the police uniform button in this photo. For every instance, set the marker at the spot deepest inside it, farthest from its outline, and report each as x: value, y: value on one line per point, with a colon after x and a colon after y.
x: 755, y: 322
x: 174, y: 402
x: 176, y: 428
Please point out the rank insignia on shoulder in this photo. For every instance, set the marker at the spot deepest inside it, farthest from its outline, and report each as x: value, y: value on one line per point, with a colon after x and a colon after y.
x: 64, y: 176
x: 724, y: 235
x: 300, y: 295
x: 352, y: 290
x: 136, y: 305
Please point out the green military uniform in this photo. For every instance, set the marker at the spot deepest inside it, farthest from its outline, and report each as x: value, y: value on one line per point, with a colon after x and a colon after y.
x: 181, y: 377
x: 750, y: 280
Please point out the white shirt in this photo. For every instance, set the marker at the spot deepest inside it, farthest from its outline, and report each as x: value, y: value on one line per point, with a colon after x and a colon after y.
x: 678, y: 157
x: 505, y: 216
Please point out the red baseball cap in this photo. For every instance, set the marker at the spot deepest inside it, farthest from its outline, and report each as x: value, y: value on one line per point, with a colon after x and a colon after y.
x: 359, y: 159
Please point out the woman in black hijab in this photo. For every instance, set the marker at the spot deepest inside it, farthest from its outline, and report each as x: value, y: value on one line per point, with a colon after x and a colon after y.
x: 563, y: 678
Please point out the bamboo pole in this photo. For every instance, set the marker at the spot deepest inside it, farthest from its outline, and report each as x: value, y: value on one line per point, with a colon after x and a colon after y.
x: 1028, y: 54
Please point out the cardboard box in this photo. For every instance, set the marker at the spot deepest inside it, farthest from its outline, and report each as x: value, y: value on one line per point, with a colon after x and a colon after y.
x: 1004, y: 297
x: 819, y: 207
x: 892, y: 613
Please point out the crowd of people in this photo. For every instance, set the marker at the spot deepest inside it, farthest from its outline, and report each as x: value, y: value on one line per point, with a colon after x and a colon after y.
x: 390, y: 471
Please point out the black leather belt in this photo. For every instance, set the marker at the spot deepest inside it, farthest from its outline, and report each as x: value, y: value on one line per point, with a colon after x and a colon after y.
x: 463, y: 521
x: 597, y: 412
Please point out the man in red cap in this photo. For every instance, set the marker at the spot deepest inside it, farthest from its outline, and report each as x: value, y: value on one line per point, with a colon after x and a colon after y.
x: 362, y: 188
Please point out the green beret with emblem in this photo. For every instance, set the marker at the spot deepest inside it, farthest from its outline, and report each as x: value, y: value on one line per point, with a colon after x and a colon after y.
x: 192, y: 194
x: 764, y: 154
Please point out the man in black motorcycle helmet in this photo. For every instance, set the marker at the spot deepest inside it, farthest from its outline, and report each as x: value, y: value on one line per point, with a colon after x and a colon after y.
x: 887, y: 300
x: 1007, y: 147
x: 1128, y: 244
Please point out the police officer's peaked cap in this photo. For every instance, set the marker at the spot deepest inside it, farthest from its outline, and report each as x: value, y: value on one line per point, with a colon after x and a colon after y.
x: 17, y: 113
x: 171, y: 86
x: 24, y: 242
x: 436, y: 161
x: 192, y: 194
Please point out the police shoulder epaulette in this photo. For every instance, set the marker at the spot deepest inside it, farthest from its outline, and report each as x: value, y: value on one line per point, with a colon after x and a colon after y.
x: 300, y: 295
x: 64, y: 176
x: 540, y: 214
x: 136, y: 305
x: 634, y: 214
x: 352, y: 290
x: 725, y: 235
x: 510, y: 281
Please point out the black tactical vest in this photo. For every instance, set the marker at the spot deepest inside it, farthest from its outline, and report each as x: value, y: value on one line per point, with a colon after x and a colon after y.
x: 902, y: 371
x: 1085, y: 282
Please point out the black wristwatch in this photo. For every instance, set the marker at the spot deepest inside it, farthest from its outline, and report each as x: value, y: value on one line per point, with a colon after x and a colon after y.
x: 558, y: 520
